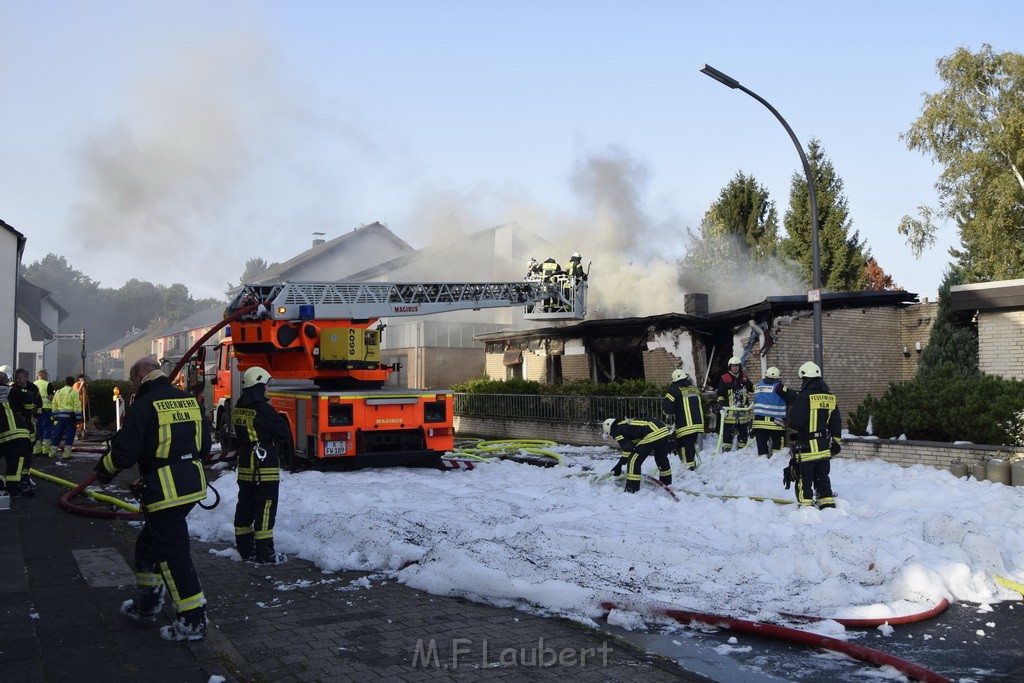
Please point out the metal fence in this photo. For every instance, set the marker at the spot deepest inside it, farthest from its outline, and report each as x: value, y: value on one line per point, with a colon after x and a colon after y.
x: 561, y: 408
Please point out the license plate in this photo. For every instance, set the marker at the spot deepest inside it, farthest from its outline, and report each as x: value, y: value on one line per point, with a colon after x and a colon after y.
x: 335, y: 448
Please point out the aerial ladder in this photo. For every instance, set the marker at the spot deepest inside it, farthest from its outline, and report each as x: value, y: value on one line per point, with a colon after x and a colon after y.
x: 321, y: 342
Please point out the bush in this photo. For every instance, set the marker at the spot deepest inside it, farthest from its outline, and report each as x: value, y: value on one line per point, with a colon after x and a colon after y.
x: 944, y: 406
x: 101, y: 398
x: 629, y: 387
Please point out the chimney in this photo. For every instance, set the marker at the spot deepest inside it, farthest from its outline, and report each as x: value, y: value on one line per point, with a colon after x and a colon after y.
x: 695, y: 304
x: 318, y: 238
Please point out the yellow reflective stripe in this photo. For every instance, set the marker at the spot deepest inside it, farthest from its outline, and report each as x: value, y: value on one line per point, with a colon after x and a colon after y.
x: 263, y: 535
x: 172, y: 411
x: 245, y: 417
x: 164, y: 504
x: 148, y: 579
x: 191, y: 602
x: 166, y: 479
x: 265, y: 517
x: 243, y: 530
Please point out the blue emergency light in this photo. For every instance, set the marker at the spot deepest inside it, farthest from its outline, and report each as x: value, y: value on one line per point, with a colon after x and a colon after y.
x: 306, y: 312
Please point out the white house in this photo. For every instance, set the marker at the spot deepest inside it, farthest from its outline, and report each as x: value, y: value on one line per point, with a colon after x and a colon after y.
x: 12, y: 246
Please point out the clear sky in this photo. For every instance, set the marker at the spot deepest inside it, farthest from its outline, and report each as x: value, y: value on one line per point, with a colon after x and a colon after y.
x: 172, y: 141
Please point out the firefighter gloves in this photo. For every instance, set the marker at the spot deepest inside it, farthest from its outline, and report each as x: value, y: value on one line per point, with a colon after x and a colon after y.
x: 835, y: 448
x: 789, y: 474
x: 102, y: 476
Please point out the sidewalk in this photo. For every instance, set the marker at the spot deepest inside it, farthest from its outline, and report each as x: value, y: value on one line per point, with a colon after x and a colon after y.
x: 63, y: 577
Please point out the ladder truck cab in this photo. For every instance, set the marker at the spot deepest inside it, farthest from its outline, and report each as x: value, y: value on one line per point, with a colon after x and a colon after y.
x: 321, y: 341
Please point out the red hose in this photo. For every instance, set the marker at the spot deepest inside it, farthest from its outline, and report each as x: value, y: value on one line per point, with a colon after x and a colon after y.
x: 872, y: 623
x: 65, y: 502
x: 793, y: 635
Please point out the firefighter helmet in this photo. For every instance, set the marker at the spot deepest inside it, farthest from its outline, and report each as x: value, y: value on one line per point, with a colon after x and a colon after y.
x: 7, y: 370
x: 734, y: 361
x: 773, y: 372
x: 678, y: 375
x: 606, y: 426
x: 532, y: 263
x: 575, y: 255
x: 809, y: 369
x: 255, y: 375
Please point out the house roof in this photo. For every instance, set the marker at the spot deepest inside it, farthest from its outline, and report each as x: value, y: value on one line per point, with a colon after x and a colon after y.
x: 988, y: 296
x: 205, y: 318
x: 438, y: 252
x: 18, y: 235
x: 29, y: 308
x: 281, y: 272
x: 765, y: 310
x: 124, y: 341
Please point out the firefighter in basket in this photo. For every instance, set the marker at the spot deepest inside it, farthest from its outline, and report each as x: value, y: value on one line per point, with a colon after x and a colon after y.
x: 261, y: 432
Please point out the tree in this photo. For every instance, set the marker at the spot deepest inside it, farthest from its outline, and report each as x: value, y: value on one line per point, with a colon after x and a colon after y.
x: 952, y: 348
x: 843, y: 256
x: 877, y: 279
x: 738, y: 229
x: 974, y: 128
x: 253, y: 268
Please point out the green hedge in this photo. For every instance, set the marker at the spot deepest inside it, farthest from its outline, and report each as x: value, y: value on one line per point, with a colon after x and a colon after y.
x: 944, y: 406
x: 629, y: 387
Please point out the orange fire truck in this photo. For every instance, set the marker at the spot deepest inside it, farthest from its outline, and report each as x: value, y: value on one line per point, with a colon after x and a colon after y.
x: 321, y: 342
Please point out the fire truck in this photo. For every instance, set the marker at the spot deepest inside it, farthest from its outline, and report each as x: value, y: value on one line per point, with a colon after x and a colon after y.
x: 321, y: 343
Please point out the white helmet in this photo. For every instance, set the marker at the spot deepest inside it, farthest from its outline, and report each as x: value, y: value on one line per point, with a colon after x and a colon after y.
x: 606, y: 426
x: 531, y: 263
x: 809, y: 369
x: 735, y: 361
x: 575, y: 254
x: 678, y: 375
x: 255, y: 375
x: 773, y: 372
x: 7, y: 370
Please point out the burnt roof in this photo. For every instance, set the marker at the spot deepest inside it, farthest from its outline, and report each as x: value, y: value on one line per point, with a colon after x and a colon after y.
x: 769, y: 308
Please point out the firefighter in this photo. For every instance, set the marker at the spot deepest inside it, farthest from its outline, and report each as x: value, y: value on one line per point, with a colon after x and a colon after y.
x: 815, y: 419
x: 682, y: 408
x: 44, y: 423
x: 533, y: 269
x: 769, y: 414
x: 574, y: 269
x: 67, y: 411
x: 550, y: 273
x: 261, y: 431
x: 638, y: 438
x: 24, y: 400
x: 734, y: 390
x: 165, y: 434
x: 15, y: 442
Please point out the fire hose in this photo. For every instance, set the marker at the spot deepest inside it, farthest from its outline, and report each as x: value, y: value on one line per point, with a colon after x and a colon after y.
x: 65, y: 500
x: 792, y: 635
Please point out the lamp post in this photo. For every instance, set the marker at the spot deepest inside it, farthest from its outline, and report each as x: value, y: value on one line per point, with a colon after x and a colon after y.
x: 814, y: 296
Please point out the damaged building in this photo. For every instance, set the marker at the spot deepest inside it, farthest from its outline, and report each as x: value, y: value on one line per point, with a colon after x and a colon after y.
x: 869, y: 340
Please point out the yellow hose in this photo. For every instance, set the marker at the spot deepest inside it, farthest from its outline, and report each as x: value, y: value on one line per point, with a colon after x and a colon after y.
x: 103, y: 498
x: 508, y: 447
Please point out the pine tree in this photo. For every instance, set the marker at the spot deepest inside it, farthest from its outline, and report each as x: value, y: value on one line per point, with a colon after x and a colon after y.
x: 843, y: 256
x: 953, y: 344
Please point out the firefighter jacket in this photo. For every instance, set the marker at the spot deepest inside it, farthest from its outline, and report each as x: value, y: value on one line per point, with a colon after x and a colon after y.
x: 575, y: 269
x: 814, y: 416
x: 639, y: 435
x: 769, y: 407
x: 46, y: 392
x: 681, y: 406
x: 166, y: 434
x: 25, y: 405
x: 10, y: 430
x: 67, y: 403
x: 734, y: 391
x: 260, y: 430
x: 549, y: 268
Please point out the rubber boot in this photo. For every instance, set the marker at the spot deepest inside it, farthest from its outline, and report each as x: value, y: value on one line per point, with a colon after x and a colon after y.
x: 265, y: 553
x: 190, y: 625
x: 246, y: 546
x: 632, y: 486
x: 146, y: 605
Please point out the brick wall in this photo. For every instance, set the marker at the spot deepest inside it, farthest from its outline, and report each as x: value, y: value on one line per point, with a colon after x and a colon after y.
x: 862, y: 349
x: 658, y: 366
x: 1001, y: 343
x: 575, y: 367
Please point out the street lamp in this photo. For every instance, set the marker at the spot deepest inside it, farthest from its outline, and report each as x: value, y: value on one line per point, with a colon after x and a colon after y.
x: 814, y: 296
